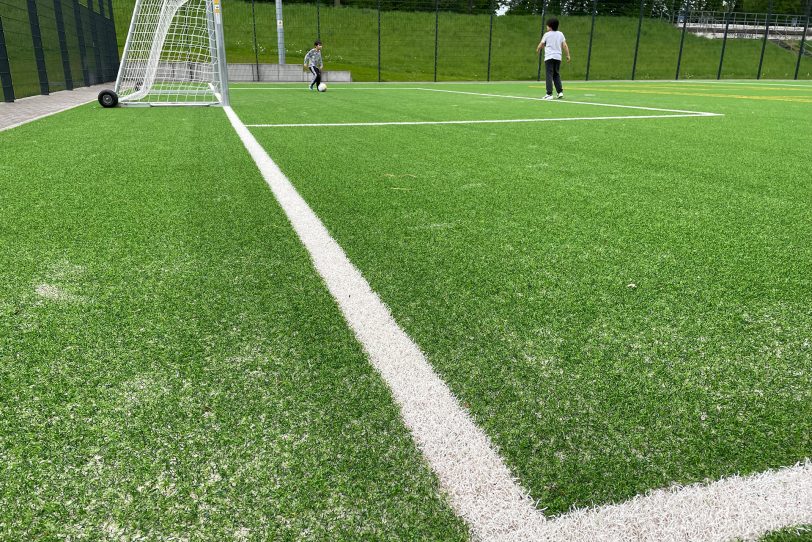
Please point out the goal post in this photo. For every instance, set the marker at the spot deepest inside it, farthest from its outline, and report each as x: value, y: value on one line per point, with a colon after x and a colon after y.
x: 174, y: 55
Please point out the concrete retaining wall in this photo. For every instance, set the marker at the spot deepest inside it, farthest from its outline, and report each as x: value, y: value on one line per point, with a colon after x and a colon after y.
x: 289, y: 73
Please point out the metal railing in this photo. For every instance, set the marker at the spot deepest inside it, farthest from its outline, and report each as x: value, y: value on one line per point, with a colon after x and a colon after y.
x: 742, y: 19
x: 443, y: 40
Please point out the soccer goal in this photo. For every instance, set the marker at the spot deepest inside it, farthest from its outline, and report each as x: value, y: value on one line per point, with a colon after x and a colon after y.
x: 174, y: 55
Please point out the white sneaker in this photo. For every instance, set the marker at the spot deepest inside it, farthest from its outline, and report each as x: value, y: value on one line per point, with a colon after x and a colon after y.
x: 560, y: 95
x: 548, y: 97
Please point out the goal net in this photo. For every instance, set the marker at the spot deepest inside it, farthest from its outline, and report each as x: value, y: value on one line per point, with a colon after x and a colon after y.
x: 174, y: 55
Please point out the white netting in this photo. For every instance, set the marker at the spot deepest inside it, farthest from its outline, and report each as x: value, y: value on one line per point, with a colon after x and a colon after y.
x: 171, y: 56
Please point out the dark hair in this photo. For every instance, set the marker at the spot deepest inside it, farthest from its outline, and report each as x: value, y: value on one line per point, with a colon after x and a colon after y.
x: 553, y: 23
x: 317, y: 42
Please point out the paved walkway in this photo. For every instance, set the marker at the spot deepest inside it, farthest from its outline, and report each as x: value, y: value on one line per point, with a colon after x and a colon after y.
x: 35, y: 107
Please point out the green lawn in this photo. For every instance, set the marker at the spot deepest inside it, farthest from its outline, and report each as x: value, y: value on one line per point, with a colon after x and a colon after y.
x: 171, y: 367
x: 350, y: 38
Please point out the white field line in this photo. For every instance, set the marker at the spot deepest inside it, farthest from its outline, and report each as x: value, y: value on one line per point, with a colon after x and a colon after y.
x: 331, y: 88
x: 734, y: 508
x: 479, y: 485
x: 531, y: 98
x: 695, y: 113
x: 495, y: 121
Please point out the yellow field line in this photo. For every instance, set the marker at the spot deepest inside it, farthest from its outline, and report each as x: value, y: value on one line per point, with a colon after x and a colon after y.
x: 698, y: 94
x: 691, y: 86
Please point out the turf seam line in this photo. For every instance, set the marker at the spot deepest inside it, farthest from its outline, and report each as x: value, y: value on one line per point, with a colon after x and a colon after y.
x: 494, y: 121
x: 533, y: 98
x: 479, y: 485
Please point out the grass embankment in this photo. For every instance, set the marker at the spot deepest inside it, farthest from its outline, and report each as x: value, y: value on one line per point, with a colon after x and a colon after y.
x: 407, y: 45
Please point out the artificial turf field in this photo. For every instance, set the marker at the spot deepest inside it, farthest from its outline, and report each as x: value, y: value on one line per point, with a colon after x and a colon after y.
x: 621, y: 304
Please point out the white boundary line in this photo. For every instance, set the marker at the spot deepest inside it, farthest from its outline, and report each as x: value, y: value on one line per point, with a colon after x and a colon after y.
x: 496, y: 121
x: 533, y: 98
x: 305, y: 89
x: 677, y: 112
x: 479, y: 485
x: 728, y: 509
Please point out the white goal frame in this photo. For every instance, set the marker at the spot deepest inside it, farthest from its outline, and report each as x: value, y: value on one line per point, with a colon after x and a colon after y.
x: 174, y: 55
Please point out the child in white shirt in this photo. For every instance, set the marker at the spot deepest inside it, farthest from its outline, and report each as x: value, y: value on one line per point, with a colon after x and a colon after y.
x: 553, y: 42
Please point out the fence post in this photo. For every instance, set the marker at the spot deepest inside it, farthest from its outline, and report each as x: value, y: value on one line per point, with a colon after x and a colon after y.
x: 5, y: 69
x: 80, y: 37
x: 682, y: 37
x: 280, y: 33
x: 113, y: 26
x: 766, y: 34
x: 591, y: 34
x: 541, y: 35
x: 63, y: 44
x: 114, y: 36
x: 490, y: 39
x: 379, y: 41
x: 803, y: 40
x: 39, y: 55
x: 256, y: 47
x: 104, y: 45
x: 94, y: 35
x: 436, y: 34
x: 724, y: 43
x: 637, y: 43
x: 318, y: 19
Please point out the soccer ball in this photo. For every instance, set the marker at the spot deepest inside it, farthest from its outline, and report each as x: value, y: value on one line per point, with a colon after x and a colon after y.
x: 322, y: 87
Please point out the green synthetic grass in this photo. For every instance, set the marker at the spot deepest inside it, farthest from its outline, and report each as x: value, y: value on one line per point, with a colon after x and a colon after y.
x: 171, y: 367
x: 622, y: 305
x: 793, y: 534
x: 350, y: 38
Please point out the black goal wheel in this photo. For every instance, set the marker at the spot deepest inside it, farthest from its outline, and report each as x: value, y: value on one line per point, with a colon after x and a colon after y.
x: 108, y: 98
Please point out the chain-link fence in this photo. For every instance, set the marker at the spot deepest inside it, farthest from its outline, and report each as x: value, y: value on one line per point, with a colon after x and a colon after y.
x: 445, y: 40
x: 51, y: 45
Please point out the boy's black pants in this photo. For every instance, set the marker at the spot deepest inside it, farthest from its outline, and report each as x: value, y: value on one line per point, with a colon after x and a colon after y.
x: 553, y: 75
x: 316, y: 76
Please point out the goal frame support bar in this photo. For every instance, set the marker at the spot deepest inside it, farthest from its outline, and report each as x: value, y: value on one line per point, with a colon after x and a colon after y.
x: 219, y: 66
